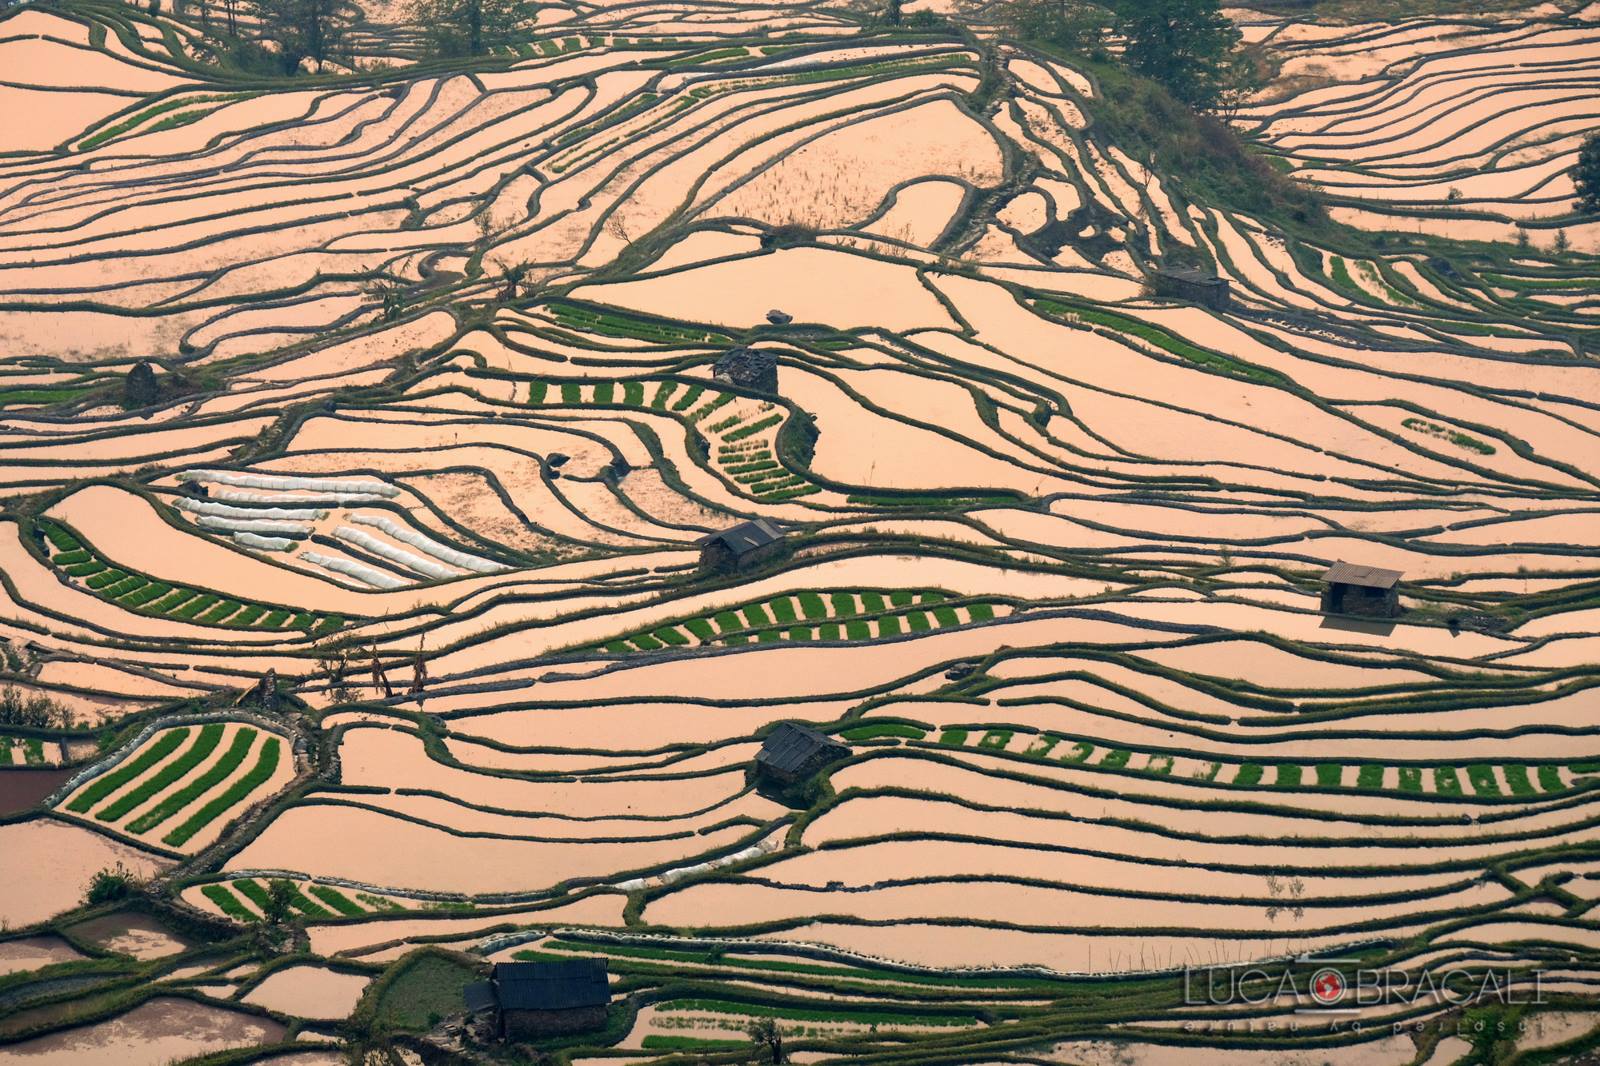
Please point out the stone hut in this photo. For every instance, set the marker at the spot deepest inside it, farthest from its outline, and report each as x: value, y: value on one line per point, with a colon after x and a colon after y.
x: 530, y: 1000
x: 1365, y: 591
x: 1196, y: 286
x: 793, y: 752
x: 748, y: 368
x: 742, y: 547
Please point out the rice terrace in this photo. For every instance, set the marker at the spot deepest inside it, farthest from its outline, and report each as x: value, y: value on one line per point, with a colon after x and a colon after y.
x: 738, y: 531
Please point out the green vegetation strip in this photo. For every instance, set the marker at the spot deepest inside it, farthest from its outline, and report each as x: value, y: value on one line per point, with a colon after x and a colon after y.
x: 124, y: 804
x: 91, y: 571
x: 266, y: 763
x: 165, y: 744
x: 218, y: 773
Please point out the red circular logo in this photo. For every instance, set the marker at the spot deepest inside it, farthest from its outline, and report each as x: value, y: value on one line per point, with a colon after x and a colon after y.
x: 1327, y: 986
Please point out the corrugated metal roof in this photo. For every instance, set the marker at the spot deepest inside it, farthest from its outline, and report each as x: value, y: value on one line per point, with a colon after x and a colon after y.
x: 789, y: 746
x: 551, y: 985
x: 1370, y: 577
x: 746, y: 536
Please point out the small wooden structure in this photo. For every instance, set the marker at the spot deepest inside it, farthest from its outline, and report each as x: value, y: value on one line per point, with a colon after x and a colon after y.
x: 748, y: 368
x: 1367, y: 591
x: 1197, y: 286
x: 741, y: 547
x: 535, y: 999
x: 793, y: 752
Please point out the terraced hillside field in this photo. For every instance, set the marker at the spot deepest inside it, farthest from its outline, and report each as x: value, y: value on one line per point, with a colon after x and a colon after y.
x: 433, y: 488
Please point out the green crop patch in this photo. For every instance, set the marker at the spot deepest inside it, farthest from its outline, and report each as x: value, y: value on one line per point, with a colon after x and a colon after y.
x: 217, y: 773
x: 258, y: 775
x: 827, y: 616
x: 90, y: 571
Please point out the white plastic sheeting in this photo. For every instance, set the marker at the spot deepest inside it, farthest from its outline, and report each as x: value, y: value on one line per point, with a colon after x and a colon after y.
x: 266, y: 544
x: 350, y: 568
x: 409, y: 560
x: 254, y: 525
x: 427, y: 544
x: 222, y: 510
x: 245, y: 496
x: 667, y: 877
x: 286, y: 482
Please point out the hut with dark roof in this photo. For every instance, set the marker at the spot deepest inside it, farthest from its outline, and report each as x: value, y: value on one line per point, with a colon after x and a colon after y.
x: 1367, y: 591
x: 741, y: 547
x: 537, y: 999
x: 1197, y: 286
x: 792, y: 753
x: 748, y: 368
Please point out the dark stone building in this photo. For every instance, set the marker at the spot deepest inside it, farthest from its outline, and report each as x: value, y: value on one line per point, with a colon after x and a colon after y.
x: 535, y: 999
x: 741, y: 547
x: 1197, y: 286
x: 748, y: 368
x: 1367, y: 591
x: 793, y: 752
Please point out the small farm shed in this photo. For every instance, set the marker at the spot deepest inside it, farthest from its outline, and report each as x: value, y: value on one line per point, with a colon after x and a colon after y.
x: 1361, y: 590
x: 535, y: 999
x: 742, y: 546
x: 793, y: 752
x: 1197, y: 286
x: 748, y: 368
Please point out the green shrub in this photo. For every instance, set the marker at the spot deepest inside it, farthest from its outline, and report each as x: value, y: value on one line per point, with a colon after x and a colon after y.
x: 1329, y: 775
x: 1445, y: 781
x: 856, y: 629
x: 1116, y: 757
x: 995, y: 739
x: 109, y: 885
x: 1249, y: 774
x: 1410, y: 778
x: 1288, y: 775
x: 1369, y: 776
x: 1079, y: 752
x: 1550, y: 779
x: 811, y: 605
x: 843, y: 604
x: 953, y: 737
x: 889, y: 626
x: 783, y: 610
